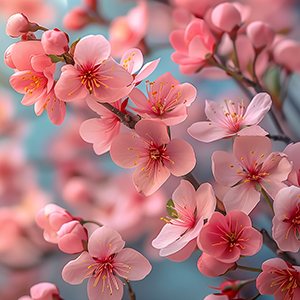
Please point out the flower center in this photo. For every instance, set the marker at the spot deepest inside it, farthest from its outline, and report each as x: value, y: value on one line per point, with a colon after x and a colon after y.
x: 36, y: 82
x: 294, y: 221
x: 234, y: 116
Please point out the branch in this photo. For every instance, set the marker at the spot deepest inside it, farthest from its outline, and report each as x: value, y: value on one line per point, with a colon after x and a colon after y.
x: 131, y: 293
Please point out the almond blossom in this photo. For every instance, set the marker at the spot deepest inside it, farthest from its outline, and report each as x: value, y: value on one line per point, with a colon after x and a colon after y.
x: 190, y: 210
x: 228, y: 237
x: 279, y: 278
x: 94, y: 73
x: 286, y: 222
x: 252, y: 167
x: 153, y: 154
x: 230, y: 119
x: 167, y: 99
x: 104, y: 264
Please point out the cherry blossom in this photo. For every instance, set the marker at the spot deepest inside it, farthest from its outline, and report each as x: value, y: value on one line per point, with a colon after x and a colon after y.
x: 167, y: 99
x: 252, y: 167
x: 230, y: 119
x: 55, y: 42
x: 43, y: 291
x: 228, y: 237
x: 292, y: 152
x: 279, y: 278
x: 104, y: 264
x: 192, y: 46
x: 94, y: 73
x: 286, y: 222
x: 190, y: 210
x: 153, y: 154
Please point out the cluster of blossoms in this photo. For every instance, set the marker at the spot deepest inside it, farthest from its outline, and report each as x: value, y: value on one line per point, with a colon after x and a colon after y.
x: 135, y: 127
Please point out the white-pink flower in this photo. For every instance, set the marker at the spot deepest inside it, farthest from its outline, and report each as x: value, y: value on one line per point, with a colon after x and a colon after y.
x: 252, y: 167
x: 229, y: 119
x: 286, y: 222
x: 94, y: 73
x: 190, y: 210
x: 154, y: 155
x: 104, y: 264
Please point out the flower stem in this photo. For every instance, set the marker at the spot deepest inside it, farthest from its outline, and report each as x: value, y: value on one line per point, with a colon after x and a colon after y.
x: 248, y: 268
x: 131, y: 293
x: 268, y: 200
x: 92, y: 222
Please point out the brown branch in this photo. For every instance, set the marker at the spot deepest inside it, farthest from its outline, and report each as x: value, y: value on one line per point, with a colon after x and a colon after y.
x: 131, y: 293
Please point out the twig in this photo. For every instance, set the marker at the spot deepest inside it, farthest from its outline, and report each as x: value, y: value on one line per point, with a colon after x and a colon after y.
x: 130, y: 291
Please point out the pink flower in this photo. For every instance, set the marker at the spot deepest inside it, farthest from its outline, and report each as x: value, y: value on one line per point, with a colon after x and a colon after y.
x: 43, y: 291
x: 18, y: 24
x: 216, y: 297
x: 286, y: 222
x: 190, y: 210
x: 228, y: 120
x: 211, y: 267
x: 253, y: 167
x: 102, y: 131
x: 94, y: 73
x: 260, y: 34
x: 286, y: 54
x: 55, y: 42
x: 279, y: 278
x: 192, y: 46
x: 153, y: 154
x: 167, y: 99
x: 132, y: 60
x: 127, y: 31
x: 292, y: 152
x: 104, y: 263
x: 70, y: 237
x: 226, y: 17
x: 76, y: 19
x: 228, y: 237
x: 51, y: 218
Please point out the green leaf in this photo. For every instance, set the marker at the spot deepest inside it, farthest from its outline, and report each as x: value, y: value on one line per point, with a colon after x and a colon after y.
x: 171, y: 209
x: 55, y: 58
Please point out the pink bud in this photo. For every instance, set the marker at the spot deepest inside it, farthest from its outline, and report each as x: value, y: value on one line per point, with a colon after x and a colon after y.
x: 260, y: 34
x: 70, y: 237
x: 44, y: 291
x: 55, y: 42
x: 226, y: 17
x: 286, y: 53
x: 18, y: 24
x: 7, y: 57
x: 91, y: 4
x: 76, y: 19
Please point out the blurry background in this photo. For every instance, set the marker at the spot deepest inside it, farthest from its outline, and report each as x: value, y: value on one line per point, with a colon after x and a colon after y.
x: 42, y: 163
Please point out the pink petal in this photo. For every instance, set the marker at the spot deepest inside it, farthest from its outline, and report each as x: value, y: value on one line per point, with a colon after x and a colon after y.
x: 70, y: 243
x: 97, y: 292
x: 140, y: 100
x: 185, y: 191
x: 198, y: 49
x: 168, y: 235
x: 75, y: 270
x: 215, y: 112
x: 206, y: 201
x: 177, y: 41
x: 147, y: 182
x: 132, y: 60
x: 254, y: 130
x: 225, y: 168
x: 146, y: 70
x: 105, y: 241
x: 243, y: 197
x: 257, y: 109
x: 185, y: 252
x: 255, y: 241
x: 208, y: 132
x: 100, y: 109
x: 100, y: 132
x: 182, y: 157
x: 92, y: 50
x: 139, y: 265
x: 40, y: 62
x: 43, y: 290
x: 69, y: 86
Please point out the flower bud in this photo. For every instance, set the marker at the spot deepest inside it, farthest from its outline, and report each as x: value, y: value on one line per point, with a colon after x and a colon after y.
x: 18, y: 24
x: 70, y: 237
x: 260, y: 34
x: 7, y: 57
x: 55, y: 42
x: 226, y: 17
x: 76, y: 19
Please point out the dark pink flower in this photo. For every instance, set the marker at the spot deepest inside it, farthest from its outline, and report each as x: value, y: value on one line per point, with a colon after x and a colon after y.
x: 228, y: 237
x: 153, y: 154
x: 104, y: 264
x: 252, y: 167
x: 166, y: 99
x: 190, y: 210
x: 94, y: 73
x: 230, y: 119
x: 279, y: 278
x: 286, y: 222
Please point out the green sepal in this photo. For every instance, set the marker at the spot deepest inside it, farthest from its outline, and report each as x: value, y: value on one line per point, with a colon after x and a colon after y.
x: 170, y: 207
x: 55, y: 58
